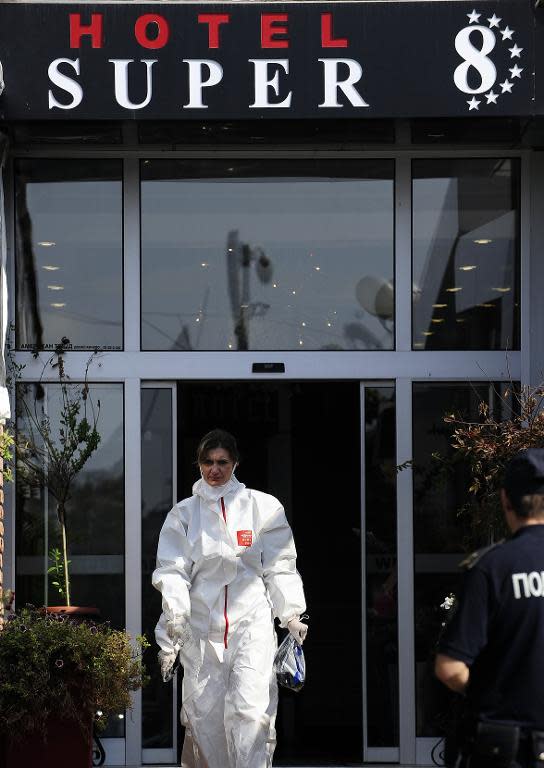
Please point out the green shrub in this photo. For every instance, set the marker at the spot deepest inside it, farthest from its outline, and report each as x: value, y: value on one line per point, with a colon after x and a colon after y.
x: 56, y: 665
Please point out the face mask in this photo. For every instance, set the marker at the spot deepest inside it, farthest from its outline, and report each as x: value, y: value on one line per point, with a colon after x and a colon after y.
x: 214, y: 492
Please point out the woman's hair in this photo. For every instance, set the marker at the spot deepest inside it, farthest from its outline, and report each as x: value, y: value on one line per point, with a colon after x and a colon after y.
x: 217, y: 438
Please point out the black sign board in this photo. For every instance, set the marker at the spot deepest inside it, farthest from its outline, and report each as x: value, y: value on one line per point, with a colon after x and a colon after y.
x: 247, y: 61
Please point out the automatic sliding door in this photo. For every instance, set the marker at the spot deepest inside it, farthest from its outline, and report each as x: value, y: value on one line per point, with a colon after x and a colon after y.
x: 380, y: 617
x: 159, y: 731
x: 301, y: 442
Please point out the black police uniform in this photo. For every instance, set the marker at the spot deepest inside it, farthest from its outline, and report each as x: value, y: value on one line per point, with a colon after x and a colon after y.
x: 498, y: 631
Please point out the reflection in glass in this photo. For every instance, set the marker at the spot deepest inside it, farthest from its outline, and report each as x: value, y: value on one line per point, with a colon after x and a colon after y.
x: 466, y: 262
x: 267, y: 254
x: 95, y: 519
x: 441, y: 537
x: 381, y: 568
x: 69, y: 253
x: 157, y: 480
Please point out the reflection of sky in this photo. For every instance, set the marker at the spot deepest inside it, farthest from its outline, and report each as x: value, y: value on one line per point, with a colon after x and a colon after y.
x: 484, y: 272
x: 321, y: 236
x: 84, y: 221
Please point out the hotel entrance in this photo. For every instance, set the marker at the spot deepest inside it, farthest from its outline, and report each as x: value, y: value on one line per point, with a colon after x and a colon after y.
x: 300, y: 441
x: 328, y: 310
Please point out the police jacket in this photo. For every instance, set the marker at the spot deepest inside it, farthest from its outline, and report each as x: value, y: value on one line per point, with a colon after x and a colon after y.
x: 498, y: 630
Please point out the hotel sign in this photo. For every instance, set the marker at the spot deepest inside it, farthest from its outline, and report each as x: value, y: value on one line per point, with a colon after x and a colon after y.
x: 266, y: 60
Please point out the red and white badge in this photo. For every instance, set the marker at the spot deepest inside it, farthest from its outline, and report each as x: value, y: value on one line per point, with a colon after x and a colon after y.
x: 245, y: 538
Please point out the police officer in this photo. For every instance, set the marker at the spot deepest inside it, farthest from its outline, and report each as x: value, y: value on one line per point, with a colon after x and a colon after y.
x: 492, y: 651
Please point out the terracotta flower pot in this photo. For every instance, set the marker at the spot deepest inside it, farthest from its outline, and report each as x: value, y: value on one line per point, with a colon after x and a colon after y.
x: 65, y: 745
x: 82, y: 612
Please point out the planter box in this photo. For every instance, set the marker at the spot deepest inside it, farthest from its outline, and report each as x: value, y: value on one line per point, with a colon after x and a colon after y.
x: 67, y: 746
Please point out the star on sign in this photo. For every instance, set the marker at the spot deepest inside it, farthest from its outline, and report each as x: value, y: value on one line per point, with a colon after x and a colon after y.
x: 515, y: 52
x: 506, y: 86
x: 507, y: 33
x: 473, y: 104
x: 473, y: 17
x: 516, y: 71
x: 491, y: 97
x: 494, y: 21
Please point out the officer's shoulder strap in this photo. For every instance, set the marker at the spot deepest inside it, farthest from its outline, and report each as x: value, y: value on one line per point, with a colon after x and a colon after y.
x: 475, y: 557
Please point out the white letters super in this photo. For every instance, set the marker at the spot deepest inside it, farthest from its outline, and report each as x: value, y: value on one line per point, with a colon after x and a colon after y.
x: 263, y: 83
x: 197, y: 82
x: 121, y: 82
x: 66, y: 83
x: 347, y: 86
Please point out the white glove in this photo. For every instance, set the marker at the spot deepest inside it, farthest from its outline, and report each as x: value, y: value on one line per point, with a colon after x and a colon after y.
x: 179, y: 632
x: 298, y: 629
x: 166, y: 661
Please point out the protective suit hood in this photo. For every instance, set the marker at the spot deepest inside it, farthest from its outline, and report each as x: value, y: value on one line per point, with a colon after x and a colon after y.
x: 213, y: 493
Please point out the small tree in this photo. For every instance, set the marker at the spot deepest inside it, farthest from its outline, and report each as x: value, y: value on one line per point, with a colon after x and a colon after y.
x: 51, y: 459
x: 488, y: 444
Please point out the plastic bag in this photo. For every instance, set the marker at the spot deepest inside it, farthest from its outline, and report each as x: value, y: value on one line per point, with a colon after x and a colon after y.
x: 290, y: 665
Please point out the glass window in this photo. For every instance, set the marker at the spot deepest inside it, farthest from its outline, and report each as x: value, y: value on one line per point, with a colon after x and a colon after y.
x: 69, y: 253
x: 157, y: 480
x: 95, y: 515
x: 95, y: 519
x: 267, y: 254
x: 466, y: 254
x: 442, y: 537
x: 381, y: 568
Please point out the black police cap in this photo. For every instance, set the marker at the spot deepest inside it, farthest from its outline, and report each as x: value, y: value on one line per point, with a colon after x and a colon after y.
x: 524, y: 474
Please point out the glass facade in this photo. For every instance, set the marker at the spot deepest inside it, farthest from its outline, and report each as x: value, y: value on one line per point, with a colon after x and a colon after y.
x: 157, y: 500
x: 466, y: 254
x: 69, y: 253
x: 381, y: 573
x: 95, y: 513
x: 442, y: 533
x: 272, y: 256
x: 267, y: 254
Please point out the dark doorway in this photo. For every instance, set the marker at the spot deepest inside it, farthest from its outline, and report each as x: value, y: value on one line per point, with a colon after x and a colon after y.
x: 301, y: 442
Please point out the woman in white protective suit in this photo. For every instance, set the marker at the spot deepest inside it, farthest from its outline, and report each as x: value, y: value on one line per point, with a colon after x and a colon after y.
x: 226, y: 566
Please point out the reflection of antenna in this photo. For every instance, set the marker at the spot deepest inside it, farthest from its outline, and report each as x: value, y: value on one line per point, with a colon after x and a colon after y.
x: 240, y: 256
x: 376, y: 295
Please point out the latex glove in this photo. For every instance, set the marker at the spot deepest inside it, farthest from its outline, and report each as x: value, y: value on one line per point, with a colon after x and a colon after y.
x: 166, y: 661
x: 298, y: 629
x: 179, y: 632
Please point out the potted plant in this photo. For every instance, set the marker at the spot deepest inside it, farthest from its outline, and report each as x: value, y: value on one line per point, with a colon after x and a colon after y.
x: 58, y: 677
x: 51, y: 455
x: 488, y: 444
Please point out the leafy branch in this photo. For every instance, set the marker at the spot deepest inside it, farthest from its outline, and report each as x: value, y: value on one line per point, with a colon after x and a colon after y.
x: 51, y: 460
x: 488, y: 444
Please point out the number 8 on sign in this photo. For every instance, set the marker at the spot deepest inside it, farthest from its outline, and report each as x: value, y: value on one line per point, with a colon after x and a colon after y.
x: 476, y: 58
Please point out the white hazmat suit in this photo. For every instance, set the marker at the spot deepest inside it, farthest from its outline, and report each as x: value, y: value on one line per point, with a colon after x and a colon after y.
x: 226, y: 566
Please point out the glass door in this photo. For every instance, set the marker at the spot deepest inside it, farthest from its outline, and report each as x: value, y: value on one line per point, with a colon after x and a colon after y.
x: 300, y: 441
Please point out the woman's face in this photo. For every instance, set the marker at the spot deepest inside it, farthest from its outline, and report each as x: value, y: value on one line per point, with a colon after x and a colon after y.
x: 217, y: 467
